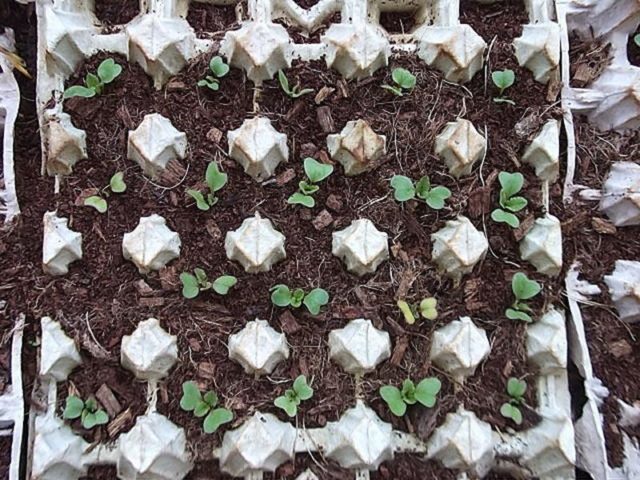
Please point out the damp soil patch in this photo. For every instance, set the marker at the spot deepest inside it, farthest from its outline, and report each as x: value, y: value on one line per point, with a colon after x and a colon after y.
x: 5, y: 455
x: 588, y: 59
x: 113, y: 13
x: 213, y: 21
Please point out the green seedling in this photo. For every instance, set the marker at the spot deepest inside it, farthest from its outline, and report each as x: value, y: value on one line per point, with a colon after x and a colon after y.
x: 404, y: 82
x: 219, y: 69
x: 283, y: 296
x: 88, y: 412
x: 636, y: 39
x: 94, y: 84
x: 293, y: 396
x: 523, y: 289
x: 215, y: 180
x: 503, y: 79
x: 193, y: 284
x: 405, y: 190
x: 511, y: 184
x: 116, y: 185
x: 204, y: 406
x: 315, y: 172
x: 515, y: 390
x: 425, y: 393
x: 427, y: 308
x: 294, y: 92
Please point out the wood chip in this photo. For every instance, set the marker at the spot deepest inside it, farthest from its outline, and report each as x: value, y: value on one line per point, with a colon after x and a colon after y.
x: 524, y: 227
x: 325, y: 119
x: 206, y: 370
x: 172, y: 174
x: 297, y: 108
x: 343, y: 88
x: 472, y: 294
x: 93, y: 348
x: 194, y: 345
x: 603, y: 226
x: 322, y: 221
x: 334, y: 202
x: 176, y: 85
x: 212, y: 229
x: 407, y: 277
x: 308, y: 149
x: 169, y: 278
x: 621, y: 348
x: 288, y: 323
x: 151, y: 302
x: 323, y: 94
x: 125, y: 117
x: 108, y: 400
x: 118, y: 423
x: 214, y: 135
x: 554, y: 87
x: 398, y: 351
x: 143, y: 289
x: 395, y: 326
x: 285, y: 177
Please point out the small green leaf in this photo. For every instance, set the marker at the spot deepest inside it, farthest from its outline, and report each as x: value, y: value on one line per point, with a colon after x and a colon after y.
x: 287, y: 405
x: 301, y: 199
x: 298, y: 93
x: 215, y: 178
x: 316, y: 171
x: 404, y: 78
x: 426, y: 391
x: 218, y: 67
x: 211, y: 398
x: 393, y: 397
x: 515, y: 204
x: 79, y: 91
x: 315, y: 300
x: 108, y: 70
x: 73, y: 408
x: 395, y: 90
x: 636, y: 39
x: 101, y: 417
x: 407, y: 313
x: 202, y: 408
x: 91, y: 81
x: 202, y: 83
x: 518, y: 315
x: 307, y: 188
x: 116, y: 183
x: 201, y: 203
x: 523, y: 288
x: 280, y: 295
x: 191, y: 396
x: 503, y: 79
x: 516, y: 388
x: 301, y: 388
x: 423, y: 186
x: 408, y: 392
x: 437, y: 196
x: 99, y: 203
x: 511, y: 411
x: 511, y: 183
x: 216, y: 419
x: 222, y: 284
x: 403, y: 188
x: 201, y: 276
x: 296, y: 297
x: 429, y: 308
x: 91, y: 405
x: 500, y: 216
x: 190, y: 285
x: 284, y: 82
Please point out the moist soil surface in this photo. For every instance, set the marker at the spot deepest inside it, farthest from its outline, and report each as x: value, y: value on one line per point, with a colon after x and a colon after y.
x: 5, y: 456
x: 589, y: 57
x: 102, y: 298
x: 113, y: 13
x: 614, y: 345
x: 212, y: 21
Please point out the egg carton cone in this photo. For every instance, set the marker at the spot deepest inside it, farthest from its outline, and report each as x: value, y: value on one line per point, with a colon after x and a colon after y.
x: 9, y: 104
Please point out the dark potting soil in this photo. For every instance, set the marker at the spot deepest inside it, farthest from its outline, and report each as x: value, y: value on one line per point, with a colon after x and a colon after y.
x: 614, y: 345
x: 299, y: 35
x: 5, y: 355
x: 212, y: 21
x: 116, y: 12
x: 588, y: 59
x: 398, y: 22
x: 5, y: 456
x: 633, y: 49
x: 503, y: 20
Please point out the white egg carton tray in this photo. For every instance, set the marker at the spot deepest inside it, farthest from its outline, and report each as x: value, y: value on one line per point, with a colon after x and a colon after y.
x: 612, y: 102
x: 9, y: 104
x: 69, y: 32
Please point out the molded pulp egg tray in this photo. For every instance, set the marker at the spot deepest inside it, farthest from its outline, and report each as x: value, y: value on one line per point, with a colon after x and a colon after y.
x: 162, y: 42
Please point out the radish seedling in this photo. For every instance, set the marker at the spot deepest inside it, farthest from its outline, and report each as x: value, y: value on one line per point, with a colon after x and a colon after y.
x: 294, y: 92
x: 88, y: 412
x: 315, y: 172
x: 515, y: 390
x: 404, y: 82
x: 636, y: 39
x: 193, y: 284
x: 219, y: 69
x: 523, y: 289
x: 94, y: 84
x: 397, y: 400
x: 116, y: 185
x: 511, y: 184
x: 283, y: 296
x: 427, y: 308
x: 405, y: 190
x: 503, y: 79
x: 293, y: 396
x: 204, y: 406
x: 215, y: 180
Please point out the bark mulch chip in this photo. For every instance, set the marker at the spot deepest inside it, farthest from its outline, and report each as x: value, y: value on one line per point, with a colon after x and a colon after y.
x: 589, y: 58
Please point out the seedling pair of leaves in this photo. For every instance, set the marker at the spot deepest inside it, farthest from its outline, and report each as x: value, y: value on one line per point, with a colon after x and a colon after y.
x: 503, y: 79
x: 636, y: 40
x: 204, y: 406
x: 94, y: 84
x: 88, y: 412
x: 292, y: 92
x: 427, y: 309
x: 219, y: 69
x: 405, y: 190
x: 424, y: 393
x: 293, y: 396
x: 193, y: 284
x: 511, y: 184
x: 515, y: 390
x: 116, y: 185
x: 283, y: 296
x: 215, y: 180
x: 315, y: 172
x: 523, y: 289
x: 404, y: 82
